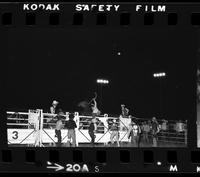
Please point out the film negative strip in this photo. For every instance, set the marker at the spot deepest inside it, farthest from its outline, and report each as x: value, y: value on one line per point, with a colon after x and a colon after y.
x: 100, y: 87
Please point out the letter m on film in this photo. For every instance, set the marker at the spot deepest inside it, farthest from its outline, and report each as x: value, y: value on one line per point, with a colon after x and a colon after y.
x: 173, y: 168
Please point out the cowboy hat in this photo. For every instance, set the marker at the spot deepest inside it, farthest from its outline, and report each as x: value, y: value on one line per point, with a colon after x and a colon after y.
x: 55, y: 102
x: 71, y: 116
x: 153, y: 118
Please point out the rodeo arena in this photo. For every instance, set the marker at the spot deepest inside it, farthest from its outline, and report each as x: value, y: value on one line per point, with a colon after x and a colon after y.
x: 36, y: 128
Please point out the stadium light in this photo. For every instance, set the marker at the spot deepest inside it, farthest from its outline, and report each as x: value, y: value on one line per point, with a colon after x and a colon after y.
x: 102, y: 81
x: 162, y: 74
x: 159, y: 76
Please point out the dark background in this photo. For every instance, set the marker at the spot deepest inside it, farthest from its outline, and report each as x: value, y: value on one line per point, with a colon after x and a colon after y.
x: 63, y: 64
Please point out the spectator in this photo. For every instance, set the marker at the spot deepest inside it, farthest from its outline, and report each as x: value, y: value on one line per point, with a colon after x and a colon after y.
x: 134, y: 133
x: 164, y: 128
x: 146, y: 130
x: 154, y: 131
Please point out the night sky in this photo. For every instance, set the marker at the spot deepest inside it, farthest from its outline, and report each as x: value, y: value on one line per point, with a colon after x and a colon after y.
x: 63, y: 64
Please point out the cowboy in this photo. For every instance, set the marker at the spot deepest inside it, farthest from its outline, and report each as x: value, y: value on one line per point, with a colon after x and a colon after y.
x: 114, y: 132
x: 134, y: 133
x: 125, y: 111
x: 91, y: 130
x: 71, y: 125
x: 95, y: 110
x: 59, y: 126
x: 53, y: 110
x: 54, y: 107
x: 100, y: 126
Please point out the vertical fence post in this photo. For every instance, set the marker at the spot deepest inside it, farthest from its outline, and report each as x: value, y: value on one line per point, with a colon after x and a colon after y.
x: 106, y: 125
x: 186, y: 127
x: 67, y: 116
x: 77, y: 120
x: 41, y: 127
x: 37, y: 129
x: 105, y: 122
x: 198, y: 133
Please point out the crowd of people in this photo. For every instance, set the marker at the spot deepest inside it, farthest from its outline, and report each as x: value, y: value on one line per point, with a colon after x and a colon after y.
x: 136, y: 132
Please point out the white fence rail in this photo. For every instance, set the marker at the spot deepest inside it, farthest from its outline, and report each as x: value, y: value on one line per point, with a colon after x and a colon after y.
x: 36, y: 127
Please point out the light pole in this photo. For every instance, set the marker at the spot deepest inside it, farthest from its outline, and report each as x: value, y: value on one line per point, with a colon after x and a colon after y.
x: 102, y: 82
x: 160, y: 76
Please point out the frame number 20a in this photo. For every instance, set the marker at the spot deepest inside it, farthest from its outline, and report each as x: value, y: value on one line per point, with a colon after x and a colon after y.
x: 79, y: 168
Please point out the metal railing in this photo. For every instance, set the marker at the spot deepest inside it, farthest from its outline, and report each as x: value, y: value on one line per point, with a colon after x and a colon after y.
x: 22, y: 121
